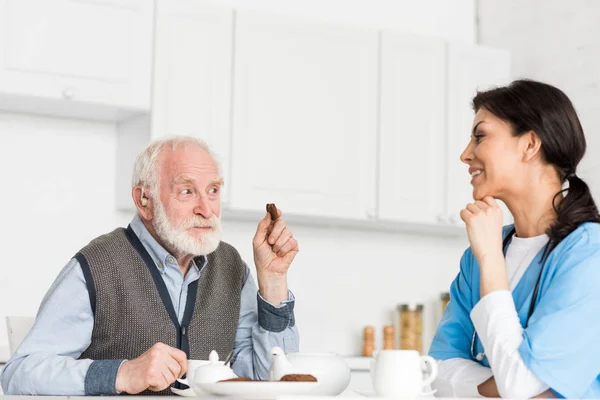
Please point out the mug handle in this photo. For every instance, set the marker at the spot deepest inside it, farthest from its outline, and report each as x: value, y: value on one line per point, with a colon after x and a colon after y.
x: 184, y: 381
x: 432, y: 369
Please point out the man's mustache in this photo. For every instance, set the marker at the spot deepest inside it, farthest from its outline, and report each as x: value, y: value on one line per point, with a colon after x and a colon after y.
x: 199, y: 222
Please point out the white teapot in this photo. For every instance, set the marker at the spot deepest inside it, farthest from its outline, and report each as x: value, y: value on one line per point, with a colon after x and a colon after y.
x: 332, y: 373
x: 200, y: 371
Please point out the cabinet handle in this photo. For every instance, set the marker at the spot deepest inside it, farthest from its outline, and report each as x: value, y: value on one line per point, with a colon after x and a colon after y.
x: 371, y: 214
x: 443, y: 218
x: 67, y: 94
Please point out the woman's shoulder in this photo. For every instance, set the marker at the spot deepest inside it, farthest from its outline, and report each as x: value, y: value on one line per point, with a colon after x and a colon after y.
x: 581, y: 245
x: 586, y: 234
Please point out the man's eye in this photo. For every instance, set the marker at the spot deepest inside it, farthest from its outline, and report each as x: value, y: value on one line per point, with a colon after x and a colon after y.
x: 186, y: 191
x: 214, y: 190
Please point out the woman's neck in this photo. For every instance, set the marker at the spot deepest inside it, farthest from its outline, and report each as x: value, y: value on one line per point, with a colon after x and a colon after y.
x: 532, y: 209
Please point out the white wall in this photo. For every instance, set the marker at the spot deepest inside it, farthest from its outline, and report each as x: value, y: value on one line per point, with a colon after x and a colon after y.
x: 58, y: 193
x: 557, y: 42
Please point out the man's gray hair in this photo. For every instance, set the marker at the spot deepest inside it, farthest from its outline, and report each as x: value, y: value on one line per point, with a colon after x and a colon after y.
x: 145, y: 168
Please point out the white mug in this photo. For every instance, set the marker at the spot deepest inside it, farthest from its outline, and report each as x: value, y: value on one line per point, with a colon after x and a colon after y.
x: 192, y: 365
x: 400, y: 373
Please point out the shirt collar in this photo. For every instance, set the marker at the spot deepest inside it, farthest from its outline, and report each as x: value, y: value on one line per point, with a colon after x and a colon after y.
x: 159, y: 255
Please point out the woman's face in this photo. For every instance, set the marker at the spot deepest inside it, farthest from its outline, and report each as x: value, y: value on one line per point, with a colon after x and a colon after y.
x: 494, y: 157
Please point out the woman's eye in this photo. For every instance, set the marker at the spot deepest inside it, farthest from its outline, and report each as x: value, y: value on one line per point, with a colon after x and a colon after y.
x: 478, y: 137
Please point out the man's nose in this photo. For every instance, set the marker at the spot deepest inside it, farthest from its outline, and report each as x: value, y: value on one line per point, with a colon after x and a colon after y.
x: 203, y: 208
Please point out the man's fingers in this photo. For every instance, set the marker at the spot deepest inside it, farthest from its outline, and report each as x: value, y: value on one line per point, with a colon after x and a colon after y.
x: 290, y: 245
x: 290, y: 255
x: 278, y: 228
x: 262, y: 230
x: 180, y: 358
x: 174, y: 368
x: 285, y: 236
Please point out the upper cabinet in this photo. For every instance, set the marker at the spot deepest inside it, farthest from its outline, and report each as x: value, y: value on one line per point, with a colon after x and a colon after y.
x: 304, y: 117
x: 412, y: 124
x: 192, y: 75
x: 78, y: 58
x: 469, y: 68
x: 192, y: 86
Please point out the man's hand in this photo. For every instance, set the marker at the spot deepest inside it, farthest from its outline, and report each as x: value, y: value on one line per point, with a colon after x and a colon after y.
x: 274, y: 250
x: 156, y: 370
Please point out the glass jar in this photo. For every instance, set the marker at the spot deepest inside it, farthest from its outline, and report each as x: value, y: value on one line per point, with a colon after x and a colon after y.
x: 411, y: 326
x: 444, y: 299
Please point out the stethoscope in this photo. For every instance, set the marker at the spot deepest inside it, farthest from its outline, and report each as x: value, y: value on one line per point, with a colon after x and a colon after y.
x: 481, y: 356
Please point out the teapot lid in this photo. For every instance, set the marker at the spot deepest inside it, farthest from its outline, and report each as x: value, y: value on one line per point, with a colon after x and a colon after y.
x: 213, y: 372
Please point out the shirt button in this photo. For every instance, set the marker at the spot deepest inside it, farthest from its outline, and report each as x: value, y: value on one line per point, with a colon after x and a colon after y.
x: 171, y: 260
x: 160, y: 265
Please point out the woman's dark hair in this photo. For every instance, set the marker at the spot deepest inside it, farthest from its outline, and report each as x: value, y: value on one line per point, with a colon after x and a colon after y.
x: 528, y: 105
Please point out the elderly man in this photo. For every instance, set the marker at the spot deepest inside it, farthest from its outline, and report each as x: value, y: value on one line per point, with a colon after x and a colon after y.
x: 133, y: 305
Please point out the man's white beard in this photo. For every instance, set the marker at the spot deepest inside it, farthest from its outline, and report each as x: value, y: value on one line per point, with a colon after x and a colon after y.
x: 180, y: 240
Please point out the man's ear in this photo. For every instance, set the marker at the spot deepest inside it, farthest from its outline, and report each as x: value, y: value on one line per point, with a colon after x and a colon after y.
x: 142, y: 202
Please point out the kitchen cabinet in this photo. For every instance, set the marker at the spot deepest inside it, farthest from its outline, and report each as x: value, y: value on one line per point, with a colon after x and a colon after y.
x: 337, y: 125
x: 79, y: 58
x: 469, y: 68
x: 304, y: 117
x: 192, y: 86
x: 412, y: 129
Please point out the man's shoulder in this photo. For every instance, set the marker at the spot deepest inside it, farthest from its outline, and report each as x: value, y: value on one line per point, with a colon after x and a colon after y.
x: 105, y: 239
x: 226, y: 247
x: 227, y: 254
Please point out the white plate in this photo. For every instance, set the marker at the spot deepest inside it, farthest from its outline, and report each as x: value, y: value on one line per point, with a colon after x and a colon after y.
x: 259, y: 390
x: 184, y: 392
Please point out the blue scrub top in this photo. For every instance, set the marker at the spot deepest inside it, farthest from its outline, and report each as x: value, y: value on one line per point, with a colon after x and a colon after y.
x: 560, y: 343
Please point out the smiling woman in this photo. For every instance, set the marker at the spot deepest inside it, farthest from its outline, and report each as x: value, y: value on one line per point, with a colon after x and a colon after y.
x: 541, y: 339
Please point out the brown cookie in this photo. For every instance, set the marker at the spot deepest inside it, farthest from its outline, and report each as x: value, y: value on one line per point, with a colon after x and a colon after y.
x: 272, y: 209
x: 298, y: 378
x: 240, y: 379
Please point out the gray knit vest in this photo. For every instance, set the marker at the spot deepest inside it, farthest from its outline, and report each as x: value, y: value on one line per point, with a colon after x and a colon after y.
x: 133, y: 310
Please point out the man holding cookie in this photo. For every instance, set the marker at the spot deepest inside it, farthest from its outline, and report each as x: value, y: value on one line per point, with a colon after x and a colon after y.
x: 133, y: 305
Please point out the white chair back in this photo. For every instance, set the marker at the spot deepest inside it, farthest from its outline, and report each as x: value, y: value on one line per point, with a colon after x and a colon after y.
x: 17, y: 327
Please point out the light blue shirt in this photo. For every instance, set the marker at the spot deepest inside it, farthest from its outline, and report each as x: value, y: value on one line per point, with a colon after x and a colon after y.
x: 46, y: 363
x: 560, y: 340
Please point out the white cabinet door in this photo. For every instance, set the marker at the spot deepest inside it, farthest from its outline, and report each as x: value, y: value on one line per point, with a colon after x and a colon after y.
x: 469, y: 68
x: 411, y: 150
x: 192, y: 75
x: 192, y: 87
x: 88, y: 51
x: 304, y: 117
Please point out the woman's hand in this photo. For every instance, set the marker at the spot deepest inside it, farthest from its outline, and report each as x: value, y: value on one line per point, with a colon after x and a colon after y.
x: 483, y: 220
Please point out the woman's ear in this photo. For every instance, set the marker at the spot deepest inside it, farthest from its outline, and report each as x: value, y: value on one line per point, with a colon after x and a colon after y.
x: 531, y: 145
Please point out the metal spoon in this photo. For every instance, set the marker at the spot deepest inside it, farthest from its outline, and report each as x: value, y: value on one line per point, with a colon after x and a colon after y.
x: 228, y: 358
